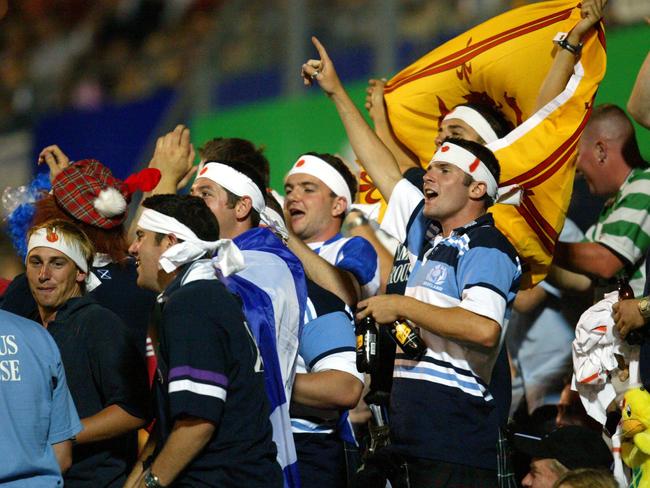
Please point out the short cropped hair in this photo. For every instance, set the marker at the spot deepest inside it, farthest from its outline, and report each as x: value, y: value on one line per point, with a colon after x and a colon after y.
x: 235, y: 150
x: 486, y: 156
x: 189, y: 210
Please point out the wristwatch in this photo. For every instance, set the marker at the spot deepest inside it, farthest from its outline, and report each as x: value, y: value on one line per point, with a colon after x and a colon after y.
x: 644, y: 307
x: 151, y: 480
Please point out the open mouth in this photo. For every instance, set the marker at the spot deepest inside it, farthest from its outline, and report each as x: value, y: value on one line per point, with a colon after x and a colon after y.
x: 295, y: 213
x: 429, y: 193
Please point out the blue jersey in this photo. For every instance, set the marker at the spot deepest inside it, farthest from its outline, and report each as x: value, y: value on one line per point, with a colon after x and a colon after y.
x: 327, y: 343
x: 35, y: 404
x: 442, y: 406
x: 353, y: 254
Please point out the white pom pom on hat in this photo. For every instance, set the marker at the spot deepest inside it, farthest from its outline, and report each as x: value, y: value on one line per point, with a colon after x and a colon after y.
x: 110, y: 202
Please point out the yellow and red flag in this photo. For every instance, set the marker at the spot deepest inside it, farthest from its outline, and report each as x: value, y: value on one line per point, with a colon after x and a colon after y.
x: 503, y: 62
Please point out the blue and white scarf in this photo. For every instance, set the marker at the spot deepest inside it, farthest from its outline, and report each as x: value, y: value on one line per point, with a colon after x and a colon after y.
x: 273, y: 291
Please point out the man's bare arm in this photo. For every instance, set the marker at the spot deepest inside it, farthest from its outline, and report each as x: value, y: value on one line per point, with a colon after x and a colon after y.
x: 174, y: 158
x: 366, y: 231
x: 446, y: 322
x: 588, y: 258
x: 376, y: 107
x: 639, y: 103
x: 374, y: 156
x: 336, y: 280
x: 577, y: 283
x: 113, y: 421
x: 564, y: 61
x: 327, y: 389
x: 188, y: 437
x: 63, y: 453
x: 135, y: 477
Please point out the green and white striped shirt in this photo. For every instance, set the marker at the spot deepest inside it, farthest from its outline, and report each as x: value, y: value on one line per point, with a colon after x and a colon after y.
x: 624, y: 226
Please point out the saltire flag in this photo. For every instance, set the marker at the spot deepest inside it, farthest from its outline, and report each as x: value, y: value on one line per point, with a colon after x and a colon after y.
x: 503, y: 62
x: 273, y: 291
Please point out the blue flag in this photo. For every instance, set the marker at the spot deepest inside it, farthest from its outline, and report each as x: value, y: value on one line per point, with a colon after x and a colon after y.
x: 274, y: 293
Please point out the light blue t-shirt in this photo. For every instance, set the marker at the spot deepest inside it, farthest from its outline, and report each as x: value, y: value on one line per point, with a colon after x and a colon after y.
x: 35, y: 404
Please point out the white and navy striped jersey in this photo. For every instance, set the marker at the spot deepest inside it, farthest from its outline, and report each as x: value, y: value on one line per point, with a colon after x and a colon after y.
x: 442, y: 407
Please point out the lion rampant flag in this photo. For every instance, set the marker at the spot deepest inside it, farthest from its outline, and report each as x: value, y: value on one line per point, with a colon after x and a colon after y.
x: 503, y: 62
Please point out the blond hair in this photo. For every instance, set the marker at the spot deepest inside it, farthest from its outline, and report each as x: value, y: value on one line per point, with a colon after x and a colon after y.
x: 71, y: 233
x: 586, y: 478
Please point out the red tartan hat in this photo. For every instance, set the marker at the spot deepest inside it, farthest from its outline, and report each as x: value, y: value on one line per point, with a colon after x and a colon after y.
x: 89, y: 192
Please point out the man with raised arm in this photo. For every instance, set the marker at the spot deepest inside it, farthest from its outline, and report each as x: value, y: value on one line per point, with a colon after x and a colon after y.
x: 465, y: 278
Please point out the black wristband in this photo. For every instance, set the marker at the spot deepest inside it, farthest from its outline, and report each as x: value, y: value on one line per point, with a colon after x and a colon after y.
x: 574, y: 49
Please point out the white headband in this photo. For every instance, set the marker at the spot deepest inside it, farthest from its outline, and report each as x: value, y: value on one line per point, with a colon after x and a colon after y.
x: 470, y: 164
x: 230, y: 259
x: 48, y: 237
x: 318, y: 168
x: 235, y: 182
x: 475, y: 120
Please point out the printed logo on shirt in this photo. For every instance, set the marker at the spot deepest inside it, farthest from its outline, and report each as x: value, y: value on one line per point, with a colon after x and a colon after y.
x: 9, y: 367
x: 436, y: 277
x: 104, y: 274
x: 401, y: 270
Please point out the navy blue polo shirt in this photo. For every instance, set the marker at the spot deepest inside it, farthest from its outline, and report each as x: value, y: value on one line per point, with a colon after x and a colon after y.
x: 210, y: 368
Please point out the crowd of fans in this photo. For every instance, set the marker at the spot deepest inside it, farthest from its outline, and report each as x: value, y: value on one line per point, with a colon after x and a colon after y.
x: 213, y: 341
x: 76, y: 54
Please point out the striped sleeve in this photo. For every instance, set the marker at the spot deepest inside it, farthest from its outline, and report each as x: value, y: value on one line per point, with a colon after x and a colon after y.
x: 488, y: 279
x: 625, y: 227
x: 198, y: 366
x: 328, y: 343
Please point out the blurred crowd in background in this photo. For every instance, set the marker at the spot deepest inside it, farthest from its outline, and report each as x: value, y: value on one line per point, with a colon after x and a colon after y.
x: 59, y: 54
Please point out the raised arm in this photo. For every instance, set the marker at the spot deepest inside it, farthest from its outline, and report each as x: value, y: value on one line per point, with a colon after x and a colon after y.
x: 376, y: 107
x: 375, y: 157
x: 174, y: 157
x: 562, y: 67
x: 639, y: 103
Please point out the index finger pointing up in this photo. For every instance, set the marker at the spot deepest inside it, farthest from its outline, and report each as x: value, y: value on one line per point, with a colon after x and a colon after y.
x: 320, y: 48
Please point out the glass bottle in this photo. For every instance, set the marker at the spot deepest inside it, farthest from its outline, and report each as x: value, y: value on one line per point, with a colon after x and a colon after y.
x: 367, y: 350
x: 625, y: 292
x: 407, y: 339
